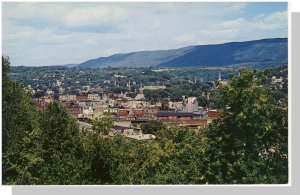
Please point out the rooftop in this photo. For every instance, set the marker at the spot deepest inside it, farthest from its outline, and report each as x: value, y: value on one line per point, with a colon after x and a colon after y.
x: 179, y: 114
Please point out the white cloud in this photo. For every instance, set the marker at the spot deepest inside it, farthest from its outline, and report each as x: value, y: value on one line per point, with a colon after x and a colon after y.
x: 233, y: 23
x: 94, y: 16
x: 239, y: 29
x: 61, y: 33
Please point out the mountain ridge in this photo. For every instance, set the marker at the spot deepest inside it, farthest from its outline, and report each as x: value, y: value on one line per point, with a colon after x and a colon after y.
x: 263, y: 50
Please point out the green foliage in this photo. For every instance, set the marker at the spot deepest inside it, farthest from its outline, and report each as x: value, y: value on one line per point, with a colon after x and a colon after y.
x: 249, y: 143
x: 102, y: 125
x: 60, y: 146
x: 20, y: 133
x: 152, y: 127
x: 173, y: 159
x: 5, y: 66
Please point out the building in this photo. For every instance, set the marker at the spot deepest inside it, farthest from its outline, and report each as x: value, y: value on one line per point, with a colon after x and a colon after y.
x: 201, y: 113
x: 174, y: 116
x: 275, y: 80
x: 213, y: 114
x: 152, y: 87
x: 138, y: 112
x: 93, y: 97
x: 67, y: 98
x: 48, y: 99
x: 130, y: 133
x: 58, y: 83
x: 61, y: 90
x: 151, y: 112
x: 88, y: 112
x: 195, y: 123
x: 191, y: 105
x: 122, y: 113
x: 49, y: 92
x: 82, y: 97
x: 140, y: 96
x: 223, y: 82
x: 73, y: 108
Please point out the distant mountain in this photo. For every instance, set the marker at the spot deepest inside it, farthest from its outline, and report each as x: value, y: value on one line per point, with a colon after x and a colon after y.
x: 70, y: 65
x: 258, y: 51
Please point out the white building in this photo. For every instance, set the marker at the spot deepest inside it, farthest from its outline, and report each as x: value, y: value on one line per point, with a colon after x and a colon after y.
x: 67, y: 97
x: 61, y: 90
x: 82, y: 104
x: 275, y: 80
x: 49, y: 92
x: 191, y: 105
x: 58, y: 83
x: 93, y: 97
x: 140, y: 96
x: 154, y: 87
x: 88, y: 112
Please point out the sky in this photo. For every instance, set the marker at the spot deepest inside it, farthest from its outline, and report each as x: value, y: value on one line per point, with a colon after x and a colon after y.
x: 40, y: 34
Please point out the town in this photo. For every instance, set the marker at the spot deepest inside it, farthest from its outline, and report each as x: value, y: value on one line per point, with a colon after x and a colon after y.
x: 129, y: 113
x: 134, y: 104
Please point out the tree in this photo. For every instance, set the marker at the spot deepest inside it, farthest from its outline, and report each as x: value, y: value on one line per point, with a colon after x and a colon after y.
x: 20, y: 133
x: 249, y: 143
x: 61, y: 148
x: 102, y: 125
x: 152, y: 127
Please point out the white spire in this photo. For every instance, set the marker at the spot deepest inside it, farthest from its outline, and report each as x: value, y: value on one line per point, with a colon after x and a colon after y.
x: 141, y: 88
x: 129, y: 87
x: 220, y: 76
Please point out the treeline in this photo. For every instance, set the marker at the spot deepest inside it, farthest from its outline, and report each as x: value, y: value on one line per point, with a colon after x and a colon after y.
x: 248, y: 144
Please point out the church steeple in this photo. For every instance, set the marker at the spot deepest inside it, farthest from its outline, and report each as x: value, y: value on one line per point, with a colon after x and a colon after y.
x: 129, y: 86
x: 141, y: 89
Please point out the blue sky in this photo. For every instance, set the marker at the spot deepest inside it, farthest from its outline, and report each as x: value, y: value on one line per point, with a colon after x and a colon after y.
x: 38, y: 34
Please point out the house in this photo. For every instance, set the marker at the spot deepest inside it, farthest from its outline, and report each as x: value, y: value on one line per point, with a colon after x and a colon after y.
x: 275, y: 80
x: 141, y: 137
x: 122, y: 112
x: 156, y: 87
x: 174, y: 116
x: 130, y: 133
x: 61, y: 90
x: 74, y: 109
x: 67, y: 97
x: 201, y: 113
x: 191, y: 105
x: 93, y: 97
x: 198, y: 123
x: 213, y: 114
x: 82, y: 97
x: 138, y: 112
x: 49, y: 92
x: 48, y: 99
x: 88, y: 112
x: 151, y: 111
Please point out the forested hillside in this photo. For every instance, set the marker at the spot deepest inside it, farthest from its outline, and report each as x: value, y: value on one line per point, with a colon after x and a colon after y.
x: 273, y: 51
